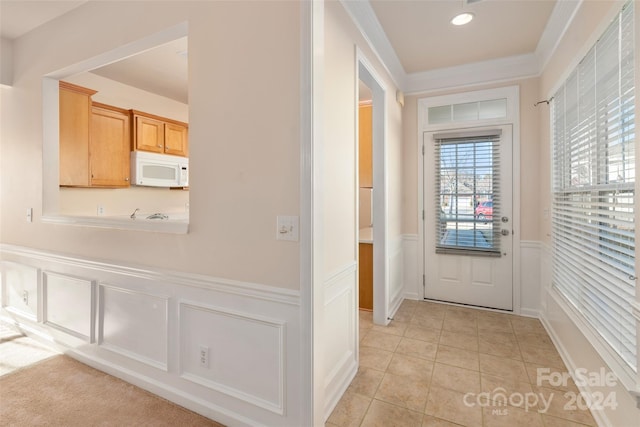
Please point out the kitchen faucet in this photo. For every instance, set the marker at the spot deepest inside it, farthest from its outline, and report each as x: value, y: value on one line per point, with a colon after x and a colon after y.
x: 133, y: 215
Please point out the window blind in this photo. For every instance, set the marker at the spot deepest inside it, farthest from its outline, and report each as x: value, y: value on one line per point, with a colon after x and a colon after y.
x: 467, y: 204
x: 593, y: 187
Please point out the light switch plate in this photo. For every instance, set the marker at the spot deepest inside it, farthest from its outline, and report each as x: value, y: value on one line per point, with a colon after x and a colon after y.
x: 287, y: 228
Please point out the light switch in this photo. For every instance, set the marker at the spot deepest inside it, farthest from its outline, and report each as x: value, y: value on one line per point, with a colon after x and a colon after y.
x: 287, y: 228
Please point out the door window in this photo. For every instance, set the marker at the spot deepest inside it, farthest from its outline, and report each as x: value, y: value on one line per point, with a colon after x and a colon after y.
x: 467, y: 204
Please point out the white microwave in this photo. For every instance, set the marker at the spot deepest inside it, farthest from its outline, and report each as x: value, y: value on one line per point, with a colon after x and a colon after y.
x: 159, y: 170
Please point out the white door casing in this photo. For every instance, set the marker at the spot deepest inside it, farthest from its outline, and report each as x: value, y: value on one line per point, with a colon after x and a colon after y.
x: 479, y: 278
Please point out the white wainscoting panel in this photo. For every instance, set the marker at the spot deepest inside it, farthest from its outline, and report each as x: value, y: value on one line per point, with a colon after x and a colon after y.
x: 252, y: 330
x: 411, y: 274
x: 396, y: 274
x: 530, y: 278
x: 134, y: 324
x: 341, y: 336
x: 545, y: 275
x: 246, y: 354
x: 59, y: 293
x: 20, y: 285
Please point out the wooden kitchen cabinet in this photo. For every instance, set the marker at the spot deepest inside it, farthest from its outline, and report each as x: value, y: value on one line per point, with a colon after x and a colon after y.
x: 176, y: 139
x: 94, y: 140
x: 365, y: 146
x: 159, y: 134
x: 365, y: 272
x: 75, y: 124
x: 109, y: 146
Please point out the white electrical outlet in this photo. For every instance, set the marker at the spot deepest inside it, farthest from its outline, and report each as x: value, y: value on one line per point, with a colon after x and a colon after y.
x: 100, y: 210
x: 204, y: 356
x: 25, y: 297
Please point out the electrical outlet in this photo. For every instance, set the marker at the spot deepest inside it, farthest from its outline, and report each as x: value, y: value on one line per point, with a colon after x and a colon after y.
x: 204, y: 356
x: 25, y: 297
x: 100, y: 210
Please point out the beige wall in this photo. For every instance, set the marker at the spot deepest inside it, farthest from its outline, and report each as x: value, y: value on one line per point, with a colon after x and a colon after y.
x: 340, y: 192
x: 244, y: 136
x: 530, y: 210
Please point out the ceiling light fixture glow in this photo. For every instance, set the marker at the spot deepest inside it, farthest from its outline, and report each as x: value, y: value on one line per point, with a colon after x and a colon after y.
x: 463, y: 18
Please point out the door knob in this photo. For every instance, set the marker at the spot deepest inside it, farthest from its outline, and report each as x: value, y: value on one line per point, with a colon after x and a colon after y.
x: 505, y: 232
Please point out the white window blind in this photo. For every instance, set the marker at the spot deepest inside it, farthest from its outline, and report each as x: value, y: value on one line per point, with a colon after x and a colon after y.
x: 467, y: 204
x: 593, y: 187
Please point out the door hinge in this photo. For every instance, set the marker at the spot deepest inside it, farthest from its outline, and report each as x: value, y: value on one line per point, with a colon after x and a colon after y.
x: 423, y: 214
x: 423, y: 149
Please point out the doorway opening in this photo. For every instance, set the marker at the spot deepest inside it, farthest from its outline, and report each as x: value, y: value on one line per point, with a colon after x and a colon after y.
x: 366, y: 75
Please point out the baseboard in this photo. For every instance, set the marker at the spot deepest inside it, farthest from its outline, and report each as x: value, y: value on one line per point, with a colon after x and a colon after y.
x: 530, y: 312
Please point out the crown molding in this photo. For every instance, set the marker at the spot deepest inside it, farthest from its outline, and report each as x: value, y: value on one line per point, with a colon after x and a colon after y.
x: 560, y: 19
x: 501, y: 69
x: 366, y: 21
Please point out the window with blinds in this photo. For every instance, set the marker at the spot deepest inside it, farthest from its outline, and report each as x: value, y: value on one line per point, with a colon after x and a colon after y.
x: 593, y: 187
x: 467, y: 197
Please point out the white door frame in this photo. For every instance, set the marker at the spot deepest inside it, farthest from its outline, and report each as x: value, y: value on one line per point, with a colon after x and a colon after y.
x: 366, y: 73
x: 512, y: 95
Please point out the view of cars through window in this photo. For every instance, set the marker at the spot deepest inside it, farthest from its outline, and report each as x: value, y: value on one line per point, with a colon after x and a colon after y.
x: 484, y: 210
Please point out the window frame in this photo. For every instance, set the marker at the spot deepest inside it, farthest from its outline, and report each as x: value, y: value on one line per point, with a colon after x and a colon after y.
x: 596, y: 189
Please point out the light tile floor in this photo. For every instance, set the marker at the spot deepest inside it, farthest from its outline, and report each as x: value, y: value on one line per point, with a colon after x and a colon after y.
x: 443, y: 365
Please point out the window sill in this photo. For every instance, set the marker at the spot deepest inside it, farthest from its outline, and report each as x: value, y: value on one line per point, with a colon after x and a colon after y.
x: 173, y: 226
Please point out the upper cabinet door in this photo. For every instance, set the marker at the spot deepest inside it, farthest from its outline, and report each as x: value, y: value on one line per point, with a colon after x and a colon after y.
x: 109, y: 147
x: 176, y: 139
x: 75, y: 113
x: 149, y: 134
x: 159, y: 134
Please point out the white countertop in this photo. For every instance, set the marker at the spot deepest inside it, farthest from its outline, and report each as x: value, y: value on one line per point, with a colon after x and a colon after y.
x: 366, y: 235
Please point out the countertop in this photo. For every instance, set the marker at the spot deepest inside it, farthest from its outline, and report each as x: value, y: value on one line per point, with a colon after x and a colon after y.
x: 366, y: 235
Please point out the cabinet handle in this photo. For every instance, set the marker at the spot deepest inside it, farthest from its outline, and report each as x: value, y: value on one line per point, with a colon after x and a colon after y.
x: 159, y: 146
x: 126, y: 179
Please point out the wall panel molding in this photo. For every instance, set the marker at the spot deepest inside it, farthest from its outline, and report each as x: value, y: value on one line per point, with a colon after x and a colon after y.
x: 263, y: 355
x: 265, y: 318
x: 21, y: 287
x: 341, y: 336
x: 530, y: 278
x: 134, y: 324
x: 61, y: 291
x: 246, y: 289
x: 412, y: 283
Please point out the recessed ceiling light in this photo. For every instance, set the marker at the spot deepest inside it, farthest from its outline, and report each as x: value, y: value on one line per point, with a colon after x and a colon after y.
x: 463, y: 18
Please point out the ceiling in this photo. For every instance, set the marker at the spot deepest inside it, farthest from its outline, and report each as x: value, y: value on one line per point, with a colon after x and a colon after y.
x: 424, y: 39
x: 413, y: 37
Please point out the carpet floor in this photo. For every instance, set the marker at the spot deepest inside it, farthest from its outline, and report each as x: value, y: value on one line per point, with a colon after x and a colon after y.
x: 61, y: 391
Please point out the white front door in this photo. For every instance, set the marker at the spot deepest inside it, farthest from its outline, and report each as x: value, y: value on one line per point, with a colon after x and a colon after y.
x: 467, y: 216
